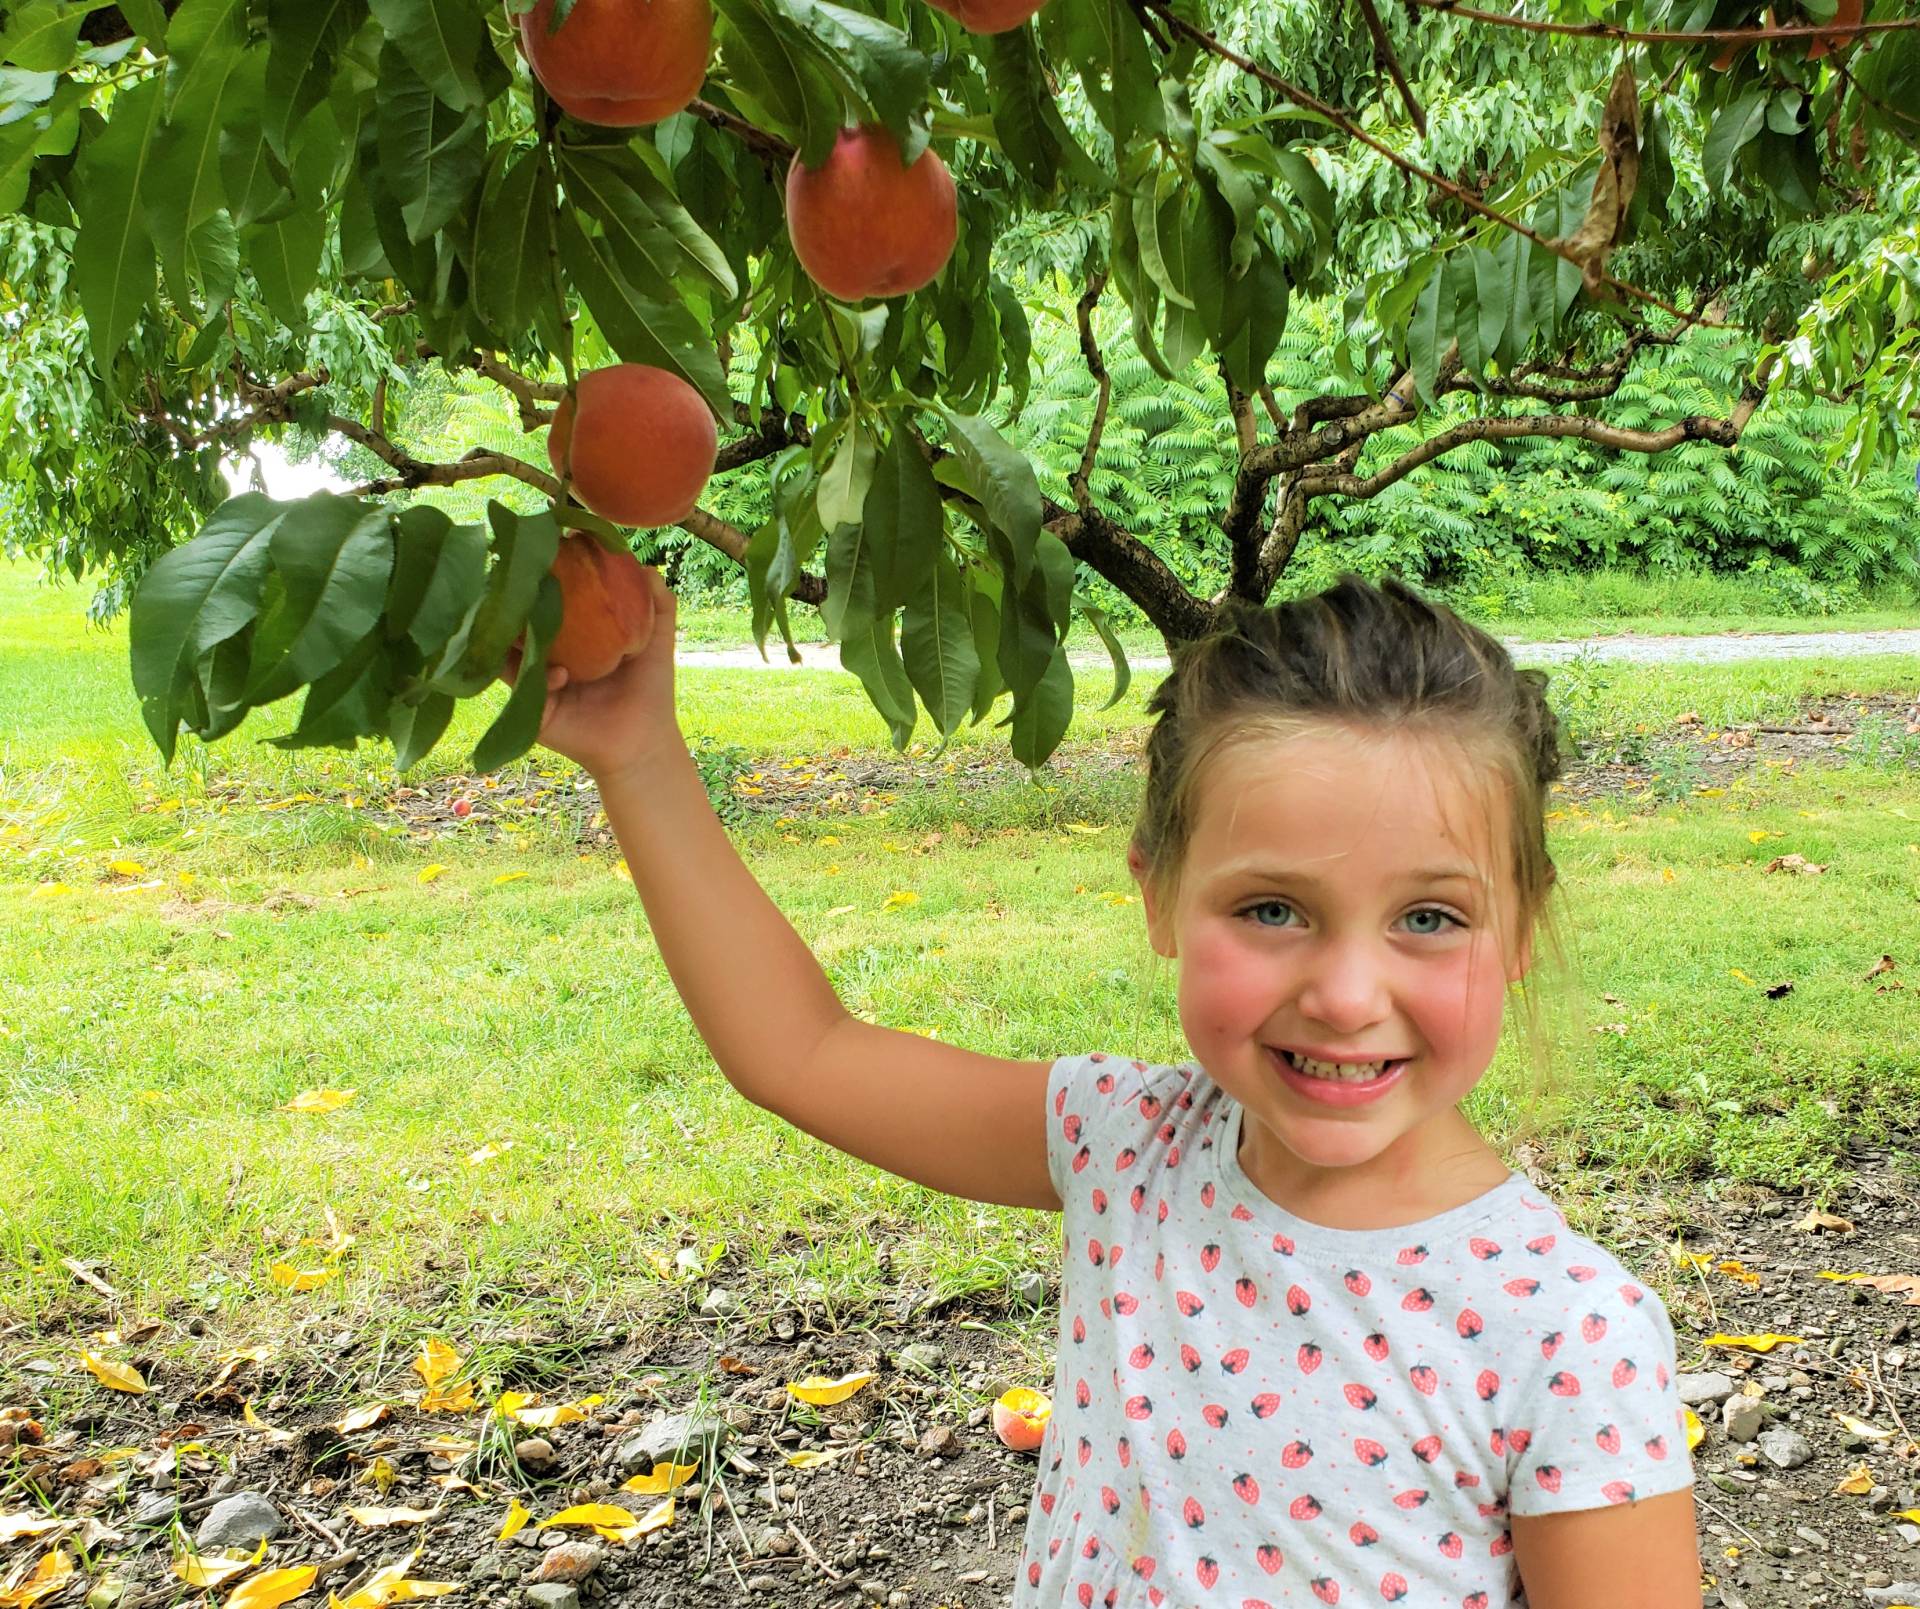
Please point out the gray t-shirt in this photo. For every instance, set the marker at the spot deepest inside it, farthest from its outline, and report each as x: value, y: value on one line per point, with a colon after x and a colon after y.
x: 1252, y: 1410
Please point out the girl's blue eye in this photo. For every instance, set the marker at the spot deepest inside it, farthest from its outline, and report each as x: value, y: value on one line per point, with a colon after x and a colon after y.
x: 1429, y: 922
x: 1261, y: 911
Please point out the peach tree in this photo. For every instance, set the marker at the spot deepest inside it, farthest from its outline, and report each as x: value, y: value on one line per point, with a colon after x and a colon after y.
x: 806, y: 241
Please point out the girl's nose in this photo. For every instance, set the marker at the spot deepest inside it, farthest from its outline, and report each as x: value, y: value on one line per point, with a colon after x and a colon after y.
x: 1345, y: 988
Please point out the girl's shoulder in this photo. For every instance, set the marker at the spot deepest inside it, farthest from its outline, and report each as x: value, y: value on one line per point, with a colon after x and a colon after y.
x: 1119, y: 1110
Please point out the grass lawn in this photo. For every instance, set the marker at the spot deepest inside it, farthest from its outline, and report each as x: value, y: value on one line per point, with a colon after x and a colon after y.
x: 535, y: 1121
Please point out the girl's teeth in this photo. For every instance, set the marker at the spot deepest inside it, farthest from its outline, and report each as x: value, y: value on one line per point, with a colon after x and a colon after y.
x: 1340, y: 1072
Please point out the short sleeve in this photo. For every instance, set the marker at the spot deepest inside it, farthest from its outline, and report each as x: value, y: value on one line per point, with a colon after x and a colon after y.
x: 1601, y: 1421
x: 1094, y: 1108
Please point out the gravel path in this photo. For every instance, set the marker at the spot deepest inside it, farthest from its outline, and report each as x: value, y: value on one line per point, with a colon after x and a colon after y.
x: 1638, y: 650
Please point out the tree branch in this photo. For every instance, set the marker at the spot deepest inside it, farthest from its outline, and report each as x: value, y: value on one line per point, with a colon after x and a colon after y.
x: 1081, y: 480
x: 1354, y: 131
x: 1383, y: 55
x: 1655, y: 36
x: 1134, y: 568
x: 768, y: 147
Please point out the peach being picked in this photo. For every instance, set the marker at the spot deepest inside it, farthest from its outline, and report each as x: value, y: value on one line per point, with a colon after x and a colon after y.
x: 606, y: 608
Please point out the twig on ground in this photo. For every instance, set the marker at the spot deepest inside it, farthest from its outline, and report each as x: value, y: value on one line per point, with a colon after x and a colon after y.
x: 825, y: 1568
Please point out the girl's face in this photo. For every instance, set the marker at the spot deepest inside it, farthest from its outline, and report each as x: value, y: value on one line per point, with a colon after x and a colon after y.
x: 1346, y: 927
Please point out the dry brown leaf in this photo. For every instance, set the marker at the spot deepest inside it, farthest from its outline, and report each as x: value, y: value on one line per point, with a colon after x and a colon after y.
x: 1884, y: 964
x: 380, y: 1519
x: 1816, y: 1220
x: 1794, y: 863
x: 14, y: 1526
x: 364, y: 1418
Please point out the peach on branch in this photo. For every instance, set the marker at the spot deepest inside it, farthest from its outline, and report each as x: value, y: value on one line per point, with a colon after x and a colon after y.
x: 864, y: 223
x: 989, y: 16
x: 638, y: 441
x: 620, y: 63
x: 606, y: 608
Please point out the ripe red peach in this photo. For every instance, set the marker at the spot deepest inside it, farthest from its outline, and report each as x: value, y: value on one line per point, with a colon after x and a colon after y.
x: 606, y: 608
x: 638, y: 441
x: 865, y: 224
x: 620, y: 63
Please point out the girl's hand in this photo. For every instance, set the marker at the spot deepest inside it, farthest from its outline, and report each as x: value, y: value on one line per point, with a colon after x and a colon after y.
x: 624, y: 721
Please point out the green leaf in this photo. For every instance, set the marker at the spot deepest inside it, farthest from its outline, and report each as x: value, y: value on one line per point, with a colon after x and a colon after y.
x: 869, y: 651
x: 1733, y: 125
x: 147, y: 19
x: 937, y: 642
x: 43, y: 35
x: 1002, y: 480
x: 332, y: 557
x: 285, y: 258
x: 648, y: 256
x: 415, y: 728
x: 1146, y: 230
x: 442, y: 40
x: 523, y: 546
x: 1429, y: 334
x: 194, y: 597
x: 640, y: 328
x: 1254, y: 314
x: 1513, y: 256
x: 348, y: 703
x: 983, y: 616
x: 113, y: 264
x: 775, y: 67
x: 431, y: 154
x: 843, y: 488
x: 513, y: 239
x: 212, y: 80
x: 875, y: 57
x: 439, y: 570
x: 305, y: 39
x: 645, y: 170
x: 1242, y: 200
x: 1040, y: 720
x: 517, y: 726
x: 1122, y: 671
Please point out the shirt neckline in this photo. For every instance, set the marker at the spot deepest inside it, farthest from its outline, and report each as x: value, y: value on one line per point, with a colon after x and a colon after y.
x: 1231, y: 1180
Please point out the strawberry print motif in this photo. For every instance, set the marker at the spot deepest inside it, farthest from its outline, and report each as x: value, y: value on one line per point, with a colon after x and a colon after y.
x: 1435, y: 1339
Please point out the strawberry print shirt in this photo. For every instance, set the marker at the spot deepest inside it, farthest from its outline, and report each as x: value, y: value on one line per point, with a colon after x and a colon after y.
x: 1255, y: 1411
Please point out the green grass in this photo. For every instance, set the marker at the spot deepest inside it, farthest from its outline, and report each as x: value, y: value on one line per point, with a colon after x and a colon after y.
x: 149, y: 1035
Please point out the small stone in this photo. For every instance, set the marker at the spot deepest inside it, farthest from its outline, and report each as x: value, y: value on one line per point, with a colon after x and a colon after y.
x: 1811, y: 1537
x: 156, y: 1508
x: 719, y: 1303
x: 788, y: 1492
x: 1909, y: 1534
x: 899, y: 1596
x: 553, y: 1595
x: 1880, y: 1500
x: 1030, y: 1286
x: 1785, y: 1448
x: 681, y: 1438
x: 924, y: 1356
x: 535, y: 1452
x: 1743, y: 1416
x: 1016, y: 1514
x: 570, y: 1561
x: 939, y: 1441
x: 1899, y: 1592
x: 1703, y: 1390
x: 774, y: 1540
x: 762, y: 1583
x: 241, y: 1521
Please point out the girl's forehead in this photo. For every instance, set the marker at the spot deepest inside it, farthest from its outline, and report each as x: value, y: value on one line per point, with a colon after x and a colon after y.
x: 1391, y: 802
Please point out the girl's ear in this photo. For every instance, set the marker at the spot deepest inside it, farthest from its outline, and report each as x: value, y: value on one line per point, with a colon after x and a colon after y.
x: 1159, y: 928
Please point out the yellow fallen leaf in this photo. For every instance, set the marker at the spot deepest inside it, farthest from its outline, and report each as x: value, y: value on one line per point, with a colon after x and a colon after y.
x: 1753, y: 1343
x: 49, y: 1576
x: 364, y: 1418
x: 1745, y: 978
x: 1912, y: 1514
x: 274, y: 1588
x: 1861, y: 1428
x: 427, y: 874
x: 320, y: 1100
x: 126, y: 868
x: 448, y: 1446
x: 1738, y: 1270
x: 823, y: 1393
x: 517, y: 1516
x: 289, y: 1278
x: 1857, y: 1482
x: 1840, y: 1279
x: 489, y: 1151
x: 13, y: 1526
x: 1082, y: 827
x: 48, y: 890
x: 621, y: 871
x: 600, y: 1516
x: 506, y: 877
x: 210, y: 1569
x: 379, y: 1519
x: 390, y: 1584
x: 657, y: 1518
x: 1691, y: 1259
x: 119, y: 1376
x: 560, y: 1413
x: 811, y: 1458
x: 458, y: 1398
x: 459, y: 1483
x: 254, y: 1422
x: 661, y: 1478
x: 898, y: 898
x: 1760, y: 835
x: 437, y: 1361
x: 1696, y: 1432
x: 380, y: 1475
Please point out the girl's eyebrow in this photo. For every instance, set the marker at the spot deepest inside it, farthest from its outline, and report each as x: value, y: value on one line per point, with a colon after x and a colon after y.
x: 1266, y: 871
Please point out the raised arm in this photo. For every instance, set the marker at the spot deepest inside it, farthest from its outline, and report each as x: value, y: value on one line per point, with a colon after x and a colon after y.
x: 957, y: 1121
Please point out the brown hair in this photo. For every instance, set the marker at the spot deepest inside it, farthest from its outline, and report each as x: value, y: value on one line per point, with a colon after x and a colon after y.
x: 1381, y: 658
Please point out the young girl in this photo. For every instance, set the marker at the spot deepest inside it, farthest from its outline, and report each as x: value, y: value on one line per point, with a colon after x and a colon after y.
x: 1317, y: 1344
